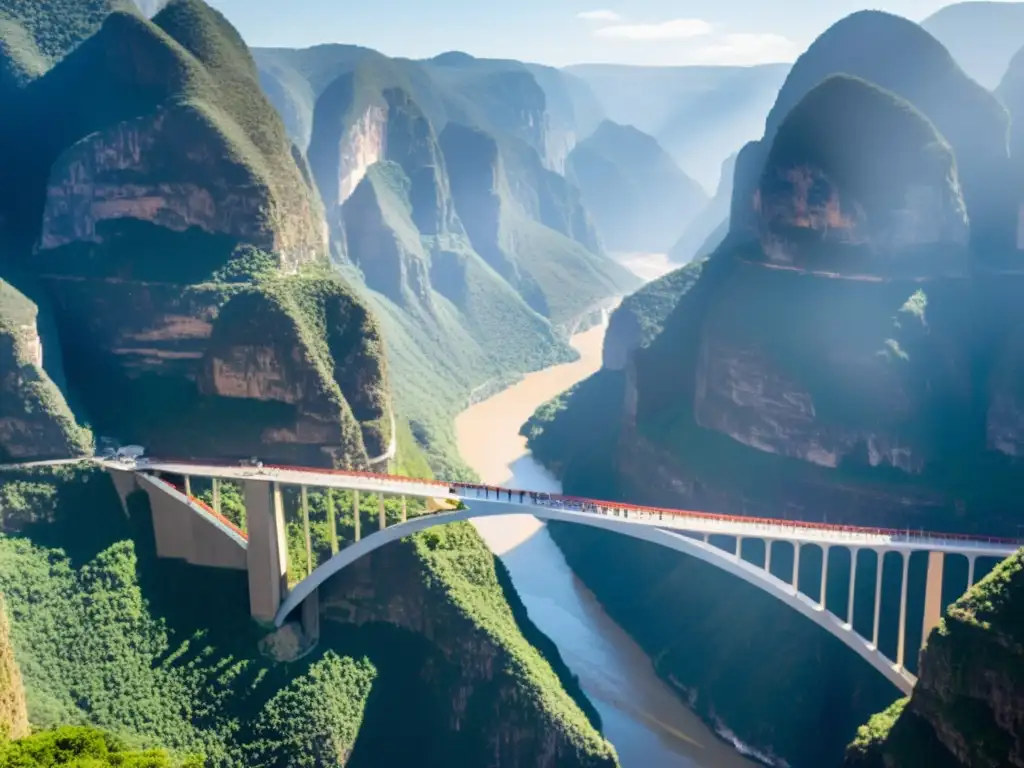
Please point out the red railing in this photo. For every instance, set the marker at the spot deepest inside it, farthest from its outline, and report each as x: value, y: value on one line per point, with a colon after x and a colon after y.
x: 207, y: 508
x: 611, y: 506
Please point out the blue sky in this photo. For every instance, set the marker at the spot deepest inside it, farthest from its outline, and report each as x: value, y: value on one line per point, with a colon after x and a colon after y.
x: 558, y: 32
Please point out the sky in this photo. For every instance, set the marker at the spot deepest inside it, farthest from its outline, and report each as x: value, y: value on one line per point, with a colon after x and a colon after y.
x: 559, y: 32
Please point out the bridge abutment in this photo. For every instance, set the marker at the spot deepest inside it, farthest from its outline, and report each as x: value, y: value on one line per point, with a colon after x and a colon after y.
x: 933, y: 606
x: 267, y: 555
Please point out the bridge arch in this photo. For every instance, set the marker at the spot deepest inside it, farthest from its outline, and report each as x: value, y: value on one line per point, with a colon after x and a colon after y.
x: 729, y: 562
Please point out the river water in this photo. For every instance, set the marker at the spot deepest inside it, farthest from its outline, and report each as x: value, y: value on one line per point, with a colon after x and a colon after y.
x: 645, y: 720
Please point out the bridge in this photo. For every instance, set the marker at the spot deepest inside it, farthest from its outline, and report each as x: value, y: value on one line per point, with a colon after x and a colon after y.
x: 189, y: 529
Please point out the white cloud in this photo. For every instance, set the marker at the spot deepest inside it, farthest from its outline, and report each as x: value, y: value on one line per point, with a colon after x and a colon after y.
x: 745, y: 48
x: 674, y: 29
x: 599, y: 16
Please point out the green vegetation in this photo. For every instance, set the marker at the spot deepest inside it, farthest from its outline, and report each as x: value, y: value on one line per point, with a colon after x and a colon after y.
x: 81, y: 746
x: 48, y: 32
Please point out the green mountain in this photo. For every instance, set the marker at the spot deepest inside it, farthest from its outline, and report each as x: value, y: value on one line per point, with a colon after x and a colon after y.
x: 982, y: 36
x: 636, y: 193
x: 478, y: 264
x: 699, y: 114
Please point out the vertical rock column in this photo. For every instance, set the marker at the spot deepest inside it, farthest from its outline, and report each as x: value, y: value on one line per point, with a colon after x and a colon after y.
x: 267, y: 554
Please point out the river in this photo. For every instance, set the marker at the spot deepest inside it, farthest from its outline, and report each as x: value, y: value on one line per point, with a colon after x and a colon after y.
x: 645, y: 720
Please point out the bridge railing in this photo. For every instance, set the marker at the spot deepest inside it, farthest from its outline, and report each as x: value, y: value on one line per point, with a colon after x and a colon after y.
x: 605, y: 507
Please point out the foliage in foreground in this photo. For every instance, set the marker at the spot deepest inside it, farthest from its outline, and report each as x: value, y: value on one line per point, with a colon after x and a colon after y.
x: 84, y: 747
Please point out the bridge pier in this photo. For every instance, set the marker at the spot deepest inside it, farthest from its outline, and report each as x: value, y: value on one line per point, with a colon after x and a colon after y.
x: 971, y: 559
x: 878, y: 595
x: 768, y: 556
x: 356, y: 515
x: 796, y: 567
x: 825, y: 549
x: 739, y: 547
x: 901, y: 648
x: 382, y: 521
x: 304, y: 494
x: 332, y: 522
x: 216, y: 494
x: 267, y: 552
x: 188, y: 486
x: 853, y: 585
x: 404, y: 517
x: 933, y: 594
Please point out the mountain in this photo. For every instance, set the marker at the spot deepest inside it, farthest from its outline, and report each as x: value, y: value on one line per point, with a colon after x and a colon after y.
x: 982, y: 36
x: 699, y: 114
x: 856, y: 353
x: 445, y: 211
x: 908, y: 61
x: 637, y: 195
x: 709, y: 227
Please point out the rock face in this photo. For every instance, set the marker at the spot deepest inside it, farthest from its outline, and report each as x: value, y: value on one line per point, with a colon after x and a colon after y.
x: 35, y: 421
x: 853, y: 166
x: 966, y: 709
x: 640, y: 199
x: 911, y: 64
x: 13, y: 712
x: 148, y: 169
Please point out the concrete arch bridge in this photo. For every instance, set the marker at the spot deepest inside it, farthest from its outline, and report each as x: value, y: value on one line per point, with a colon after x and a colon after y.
x: 188, y: 529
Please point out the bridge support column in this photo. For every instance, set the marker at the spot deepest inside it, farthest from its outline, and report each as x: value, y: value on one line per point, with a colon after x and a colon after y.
x: 739, y: 547
x: 267, y: 552
x: 707, y: 538
x: 216, y: 494
x: 824, y: 575
x: 356, y: 515
x: 382, y: 520
x: 404, y: 515
x: 901, y: 648
x: 305, y: 529
x: 796, y: 567
x: 853, y: 586
x: 933, y: 594
x: 768, y: 556
x: 971, y: 559
x: 878, y: 595
x: 332, y: 522
x: 188, y: 486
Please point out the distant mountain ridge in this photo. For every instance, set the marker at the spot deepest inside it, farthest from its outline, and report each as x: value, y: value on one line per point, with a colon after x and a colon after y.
x: 982, y: 36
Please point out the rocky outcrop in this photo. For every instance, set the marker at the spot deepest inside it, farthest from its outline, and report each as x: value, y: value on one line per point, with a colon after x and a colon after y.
x: 35, y: 421
x: 489, y: 697
x: 967, y: 709
x: 149, y: 169
x: 907, y: 61
x: 13, y: 710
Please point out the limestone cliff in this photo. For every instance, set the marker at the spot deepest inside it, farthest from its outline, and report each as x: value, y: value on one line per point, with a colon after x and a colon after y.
x: 35, y: 421
x: 13, y: 712
x: 907, y: 61
x: 967, y: 707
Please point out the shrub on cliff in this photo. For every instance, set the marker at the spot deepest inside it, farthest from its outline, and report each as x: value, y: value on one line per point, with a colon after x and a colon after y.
x: 82, y: 746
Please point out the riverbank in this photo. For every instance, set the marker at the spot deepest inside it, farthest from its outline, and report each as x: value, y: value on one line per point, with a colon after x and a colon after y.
x: 643, y: 716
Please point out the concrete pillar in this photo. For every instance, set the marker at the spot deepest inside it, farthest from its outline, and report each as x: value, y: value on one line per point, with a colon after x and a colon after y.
x: 707, y: 538
x: 305, y: 529
x: 216, y: 494
x: 382, y: 520
x: 267, y: 552
x: 796, y: 566
x: 878, y: 594
x: 970, y: 570
x: 126, y: 485
x: 739, y: 547
x: 355, y: 513
x: 188, y: 486
x: 901, y: 646
x: 824, y: 575
x: 404, y: 516
x: 332, y: 522
x: 310, y: 617
x: 933, y: 594
x: 853, y: 585
x: 768, y: 556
